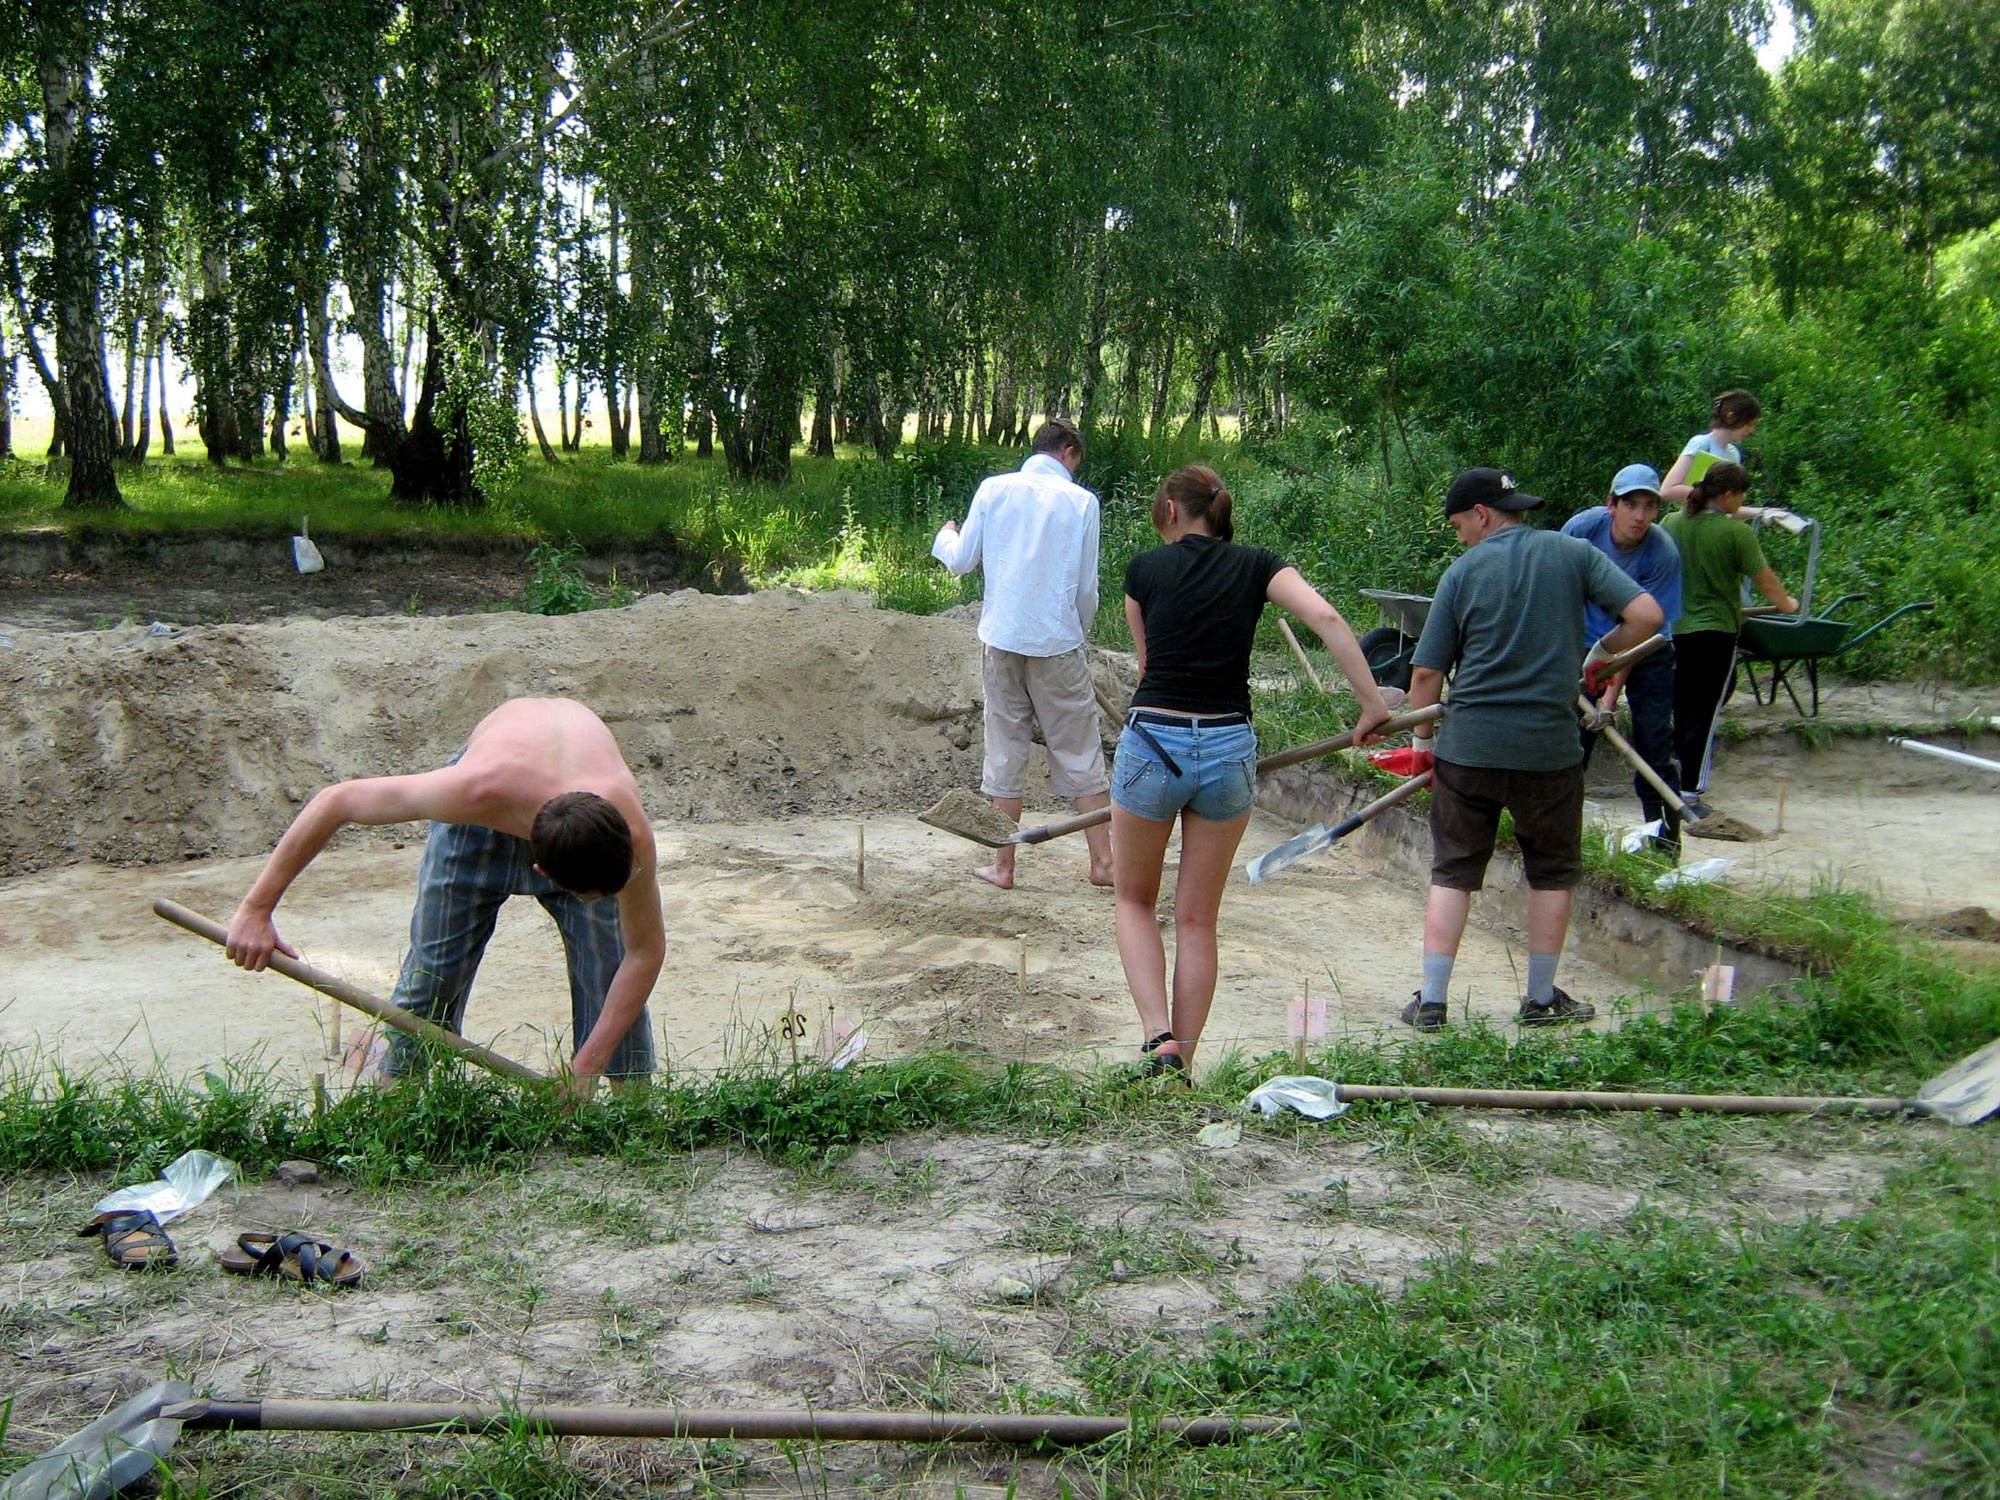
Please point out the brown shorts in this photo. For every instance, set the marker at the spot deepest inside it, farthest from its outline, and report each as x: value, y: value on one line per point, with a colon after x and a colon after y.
x: 1465, y: 819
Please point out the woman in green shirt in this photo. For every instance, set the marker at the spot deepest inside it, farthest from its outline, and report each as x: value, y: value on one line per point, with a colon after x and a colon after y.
x: 1718, y: 551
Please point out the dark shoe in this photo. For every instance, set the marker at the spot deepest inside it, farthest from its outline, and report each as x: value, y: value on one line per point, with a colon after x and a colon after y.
x: 1155, y: 1064
x: 134, y: 1241
x: 1560, y: 1011
x: 1423, y: 1017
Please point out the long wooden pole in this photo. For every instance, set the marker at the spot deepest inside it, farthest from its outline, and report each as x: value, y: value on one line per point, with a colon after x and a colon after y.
x: 1297, y: 755
x: 1710, y: 1104
x: 273, y: 1415
x: 1305, y: 662
x: 347, y: 994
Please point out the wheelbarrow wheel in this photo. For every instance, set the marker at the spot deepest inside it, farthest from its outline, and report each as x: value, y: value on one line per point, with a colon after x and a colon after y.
x: 1388, y: 652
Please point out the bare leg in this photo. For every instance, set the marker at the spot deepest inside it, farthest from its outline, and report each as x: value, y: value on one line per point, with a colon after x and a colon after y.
x: 1099, y: 839
x: 1445, y: 917
x: 1548, y: 921
x: 1001, y: 871
x: 1139, y: 847
x: 1208, y: 851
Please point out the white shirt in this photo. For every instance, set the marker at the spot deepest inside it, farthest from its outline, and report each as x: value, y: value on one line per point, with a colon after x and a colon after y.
x: 1035, y: 533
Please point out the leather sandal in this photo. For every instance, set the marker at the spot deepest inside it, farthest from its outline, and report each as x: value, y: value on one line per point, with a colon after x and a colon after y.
x: 295, y: 1256
x: 133, y: 1240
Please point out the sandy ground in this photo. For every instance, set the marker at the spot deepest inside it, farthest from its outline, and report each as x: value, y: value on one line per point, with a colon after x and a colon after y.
x: 1917, y: 832
x: 762, y: 917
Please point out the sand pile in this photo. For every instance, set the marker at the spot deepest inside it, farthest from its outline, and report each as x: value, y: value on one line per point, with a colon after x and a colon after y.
x: 123, y: 747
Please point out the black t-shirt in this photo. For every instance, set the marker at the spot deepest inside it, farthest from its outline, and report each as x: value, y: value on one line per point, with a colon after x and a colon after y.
x: 1200, y: 599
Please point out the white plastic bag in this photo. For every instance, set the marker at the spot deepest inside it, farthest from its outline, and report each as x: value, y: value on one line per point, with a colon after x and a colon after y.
x: 1701, y: 872
x: 1315, y: 1098
x: 1636, y: 840
x: 185, y: 1183
x: 305, y: 556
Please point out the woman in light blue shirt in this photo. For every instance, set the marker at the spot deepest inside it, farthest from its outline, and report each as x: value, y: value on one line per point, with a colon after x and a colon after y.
x: 1732, y: 419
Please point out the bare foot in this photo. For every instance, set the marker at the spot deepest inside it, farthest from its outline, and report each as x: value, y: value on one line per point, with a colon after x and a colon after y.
x: 995, y: 875
x: 1101, y: 875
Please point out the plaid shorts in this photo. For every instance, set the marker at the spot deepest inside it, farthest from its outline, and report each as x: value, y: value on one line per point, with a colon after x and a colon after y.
x: 467, y: 874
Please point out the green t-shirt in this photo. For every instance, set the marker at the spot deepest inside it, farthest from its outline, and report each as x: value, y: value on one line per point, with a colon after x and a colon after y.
x: 1508, y: 624
x: 1717, y: 553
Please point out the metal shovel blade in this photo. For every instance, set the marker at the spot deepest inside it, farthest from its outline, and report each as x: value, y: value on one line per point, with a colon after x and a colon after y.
x: 1285, y: 855
x: 1968, y: 1091
x: 1282, y: 857
x: 117, y: 1450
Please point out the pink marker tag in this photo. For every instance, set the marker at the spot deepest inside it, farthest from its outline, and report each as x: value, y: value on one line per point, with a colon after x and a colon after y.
x: 1718, y: 983
x: 1307, y: 1019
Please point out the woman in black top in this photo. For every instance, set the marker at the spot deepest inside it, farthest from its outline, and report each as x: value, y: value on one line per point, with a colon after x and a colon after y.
x: 1188, y: 752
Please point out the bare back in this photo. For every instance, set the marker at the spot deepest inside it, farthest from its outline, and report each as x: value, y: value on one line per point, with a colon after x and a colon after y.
x: 531, y: 749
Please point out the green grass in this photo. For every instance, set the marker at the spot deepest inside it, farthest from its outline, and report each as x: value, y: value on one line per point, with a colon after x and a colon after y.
x: 1666, y: 1355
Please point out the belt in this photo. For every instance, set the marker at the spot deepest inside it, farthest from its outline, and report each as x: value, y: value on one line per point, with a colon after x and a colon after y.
x: 1186, y: 721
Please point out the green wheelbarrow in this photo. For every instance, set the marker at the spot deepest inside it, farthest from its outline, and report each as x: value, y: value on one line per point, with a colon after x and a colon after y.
x: 1785, y: 642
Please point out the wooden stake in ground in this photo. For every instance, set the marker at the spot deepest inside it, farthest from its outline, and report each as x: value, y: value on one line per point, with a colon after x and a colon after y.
x: 861, y: 856
x: 1024, y: 971
x: 1782, y: 781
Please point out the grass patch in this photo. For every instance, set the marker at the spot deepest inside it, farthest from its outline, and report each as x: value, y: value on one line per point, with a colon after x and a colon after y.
x: 1665, y: 1356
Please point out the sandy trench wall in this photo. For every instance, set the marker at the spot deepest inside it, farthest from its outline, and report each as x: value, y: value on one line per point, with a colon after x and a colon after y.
x: 132, y: 749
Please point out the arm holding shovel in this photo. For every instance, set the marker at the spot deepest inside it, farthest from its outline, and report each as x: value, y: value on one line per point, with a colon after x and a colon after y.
x: 444, y: 795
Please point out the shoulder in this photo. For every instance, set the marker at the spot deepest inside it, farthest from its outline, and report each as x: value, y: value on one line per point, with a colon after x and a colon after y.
x: 1586, y: 523
x: 1701, y: 442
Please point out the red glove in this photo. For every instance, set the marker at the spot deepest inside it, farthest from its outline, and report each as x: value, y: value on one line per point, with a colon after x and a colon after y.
x: 1411, y: 760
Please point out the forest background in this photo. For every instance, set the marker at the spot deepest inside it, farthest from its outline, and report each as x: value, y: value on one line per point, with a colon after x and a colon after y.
x: 808, y: 272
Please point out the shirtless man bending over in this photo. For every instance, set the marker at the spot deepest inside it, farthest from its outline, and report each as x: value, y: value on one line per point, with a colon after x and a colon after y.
x: 538, y: 803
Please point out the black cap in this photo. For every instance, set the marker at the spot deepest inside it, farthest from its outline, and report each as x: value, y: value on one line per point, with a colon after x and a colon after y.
x: 1487, y: 487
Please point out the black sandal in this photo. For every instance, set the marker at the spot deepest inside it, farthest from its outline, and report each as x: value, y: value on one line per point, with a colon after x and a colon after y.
x: 297, y: 1256
x: 1156, y: 1063
x: 133, y: 1240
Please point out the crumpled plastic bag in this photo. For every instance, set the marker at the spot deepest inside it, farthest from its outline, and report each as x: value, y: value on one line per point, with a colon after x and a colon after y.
x: 305, y: 556
x: 1315, y: 1098
x: 185, y: 1183
x: 1638, y: 840
x: 1701, y: 872
x: 118, y: 1449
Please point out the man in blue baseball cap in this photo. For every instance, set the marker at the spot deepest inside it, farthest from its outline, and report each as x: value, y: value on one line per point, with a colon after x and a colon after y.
x: 1623, y: 530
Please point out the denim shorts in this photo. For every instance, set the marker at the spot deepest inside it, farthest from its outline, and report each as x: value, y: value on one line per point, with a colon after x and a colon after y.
x: 1218, y: 771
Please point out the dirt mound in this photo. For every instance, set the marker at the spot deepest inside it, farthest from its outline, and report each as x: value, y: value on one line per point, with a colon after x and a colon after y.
x: 132, y: 748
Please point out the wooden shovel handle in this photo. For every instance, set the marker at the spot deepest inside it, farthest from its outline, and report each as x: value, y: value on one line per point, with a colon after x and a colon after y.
x: 1292, y: 757
x: 347, y: 994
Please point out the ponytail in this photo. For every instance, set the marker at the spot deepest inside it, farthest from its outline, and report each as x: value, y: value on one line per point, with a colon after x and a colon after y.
x: 1736, y: 408
x: 1200, y: 495
x: 1721, y: 479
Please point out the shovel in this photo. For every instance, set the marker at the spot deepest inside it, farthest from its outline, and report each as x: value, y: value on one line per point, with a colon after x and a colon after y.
x: 1963, y: 1094
x: 1281, y: 858
x: 970, y: 817
x: 1714, y: 826
x: 360, y: 999
x: 119, y: 1449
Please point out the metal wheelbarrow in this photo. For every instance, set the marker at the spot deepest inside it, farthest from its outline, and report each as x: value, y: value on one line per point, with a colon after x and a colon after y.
x: 1784, y: 642
x: 1389, y: 647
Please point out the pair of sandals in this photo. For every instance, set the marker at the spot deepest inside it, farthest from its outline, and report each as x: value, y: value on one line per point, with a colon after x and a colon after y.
x: 137, y: 1242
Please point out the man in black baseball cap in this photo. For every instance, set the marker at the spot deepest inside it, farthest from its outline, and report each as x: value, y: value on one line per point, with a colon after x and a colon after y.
x: 1487, y: 487
x: 1507, y: 626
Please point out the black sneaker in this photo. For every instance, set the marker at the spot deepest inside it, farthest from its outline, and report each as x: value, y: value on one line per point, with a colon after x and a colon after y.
x: 1560, y: 1011
x: 1423, y: 1017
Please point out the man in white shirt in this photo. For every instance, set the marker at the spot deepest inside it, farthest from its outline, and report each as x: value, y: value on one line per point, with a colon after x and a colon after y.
x: 1034, y: 531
